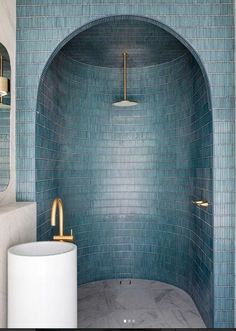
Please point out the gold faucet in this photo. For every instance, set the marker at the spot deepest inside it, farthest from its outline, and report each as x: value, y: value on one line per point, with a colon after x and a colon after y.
x: 57, y: 203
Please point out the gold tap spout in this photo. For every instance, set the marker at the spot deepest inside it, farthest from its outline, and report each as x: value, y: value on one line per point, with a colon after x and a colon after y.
x: 57, y: 204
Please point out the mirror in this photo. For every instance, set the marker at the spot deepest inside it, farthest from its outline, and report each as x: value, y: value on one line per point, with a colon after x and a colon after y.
x: 5, y: 101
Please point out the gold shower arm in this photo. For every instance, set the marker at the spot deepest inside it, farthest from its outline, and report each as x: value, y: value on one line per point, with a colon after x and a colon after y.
x: 124, y: 102
x: 125, y: 74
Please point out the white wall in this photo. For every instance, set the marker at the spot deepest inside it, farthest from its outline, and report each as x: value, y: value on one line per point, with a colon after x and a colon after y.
x: 17, y: 225
x: 17, y: 219
x: 8, y: 39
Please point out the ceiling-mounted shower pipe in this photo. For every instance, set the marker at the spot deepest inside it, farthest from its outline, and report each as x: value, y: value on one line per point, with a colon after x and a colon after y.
x: 125, y: 75
x: 125, y: 102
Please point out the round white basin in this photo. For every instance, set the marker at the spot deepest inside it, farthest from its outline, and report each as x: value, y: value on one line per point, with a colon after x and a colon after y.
x: 42, y: 248
x: 42, y: 285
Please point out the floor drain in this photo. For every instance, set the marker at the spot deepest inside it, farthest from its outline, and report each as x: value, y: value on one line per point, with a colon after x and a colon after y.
x: 129, y: 321
x: 125, y: 282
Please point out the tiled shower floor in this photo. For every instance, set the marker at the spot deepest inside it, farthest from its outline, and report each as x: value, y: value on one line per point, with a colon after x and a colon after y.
x: 141, y: 304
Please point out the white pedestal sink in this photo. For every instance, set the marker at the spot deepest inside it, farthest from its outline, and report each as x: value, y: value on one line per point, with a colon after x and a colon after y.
x: 42, y: 285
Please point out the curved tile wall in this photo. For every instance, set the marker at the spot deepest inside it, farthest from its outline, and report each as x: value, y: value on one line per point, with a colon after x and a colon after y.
x: 201, y: 156
x: 127, y: 176
x: 49, y: 126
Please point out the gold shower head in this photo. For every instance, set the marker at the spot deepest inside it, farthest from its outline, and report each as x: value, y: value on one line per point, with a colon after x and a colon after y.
x: 125, y: 102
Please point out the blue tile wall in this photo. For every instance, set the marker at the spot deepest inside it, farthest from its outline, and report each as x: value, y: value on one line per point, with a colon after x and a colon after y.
x: 49, y: 137
x: 201, y: 152
x: 128, y: 176
x: 205, y: 27
x: 145, y: 43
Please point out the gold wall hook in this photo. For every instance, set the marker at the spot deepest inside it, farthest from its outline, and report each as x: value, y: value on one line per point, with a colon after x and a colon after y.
x: 197, y: 202
x: 201, y: 203
x: 205, y: 204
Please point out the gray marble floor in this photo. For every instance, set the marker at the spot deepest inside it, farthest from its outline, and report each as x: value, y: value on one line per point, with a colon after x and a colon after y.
x: 141, y: 304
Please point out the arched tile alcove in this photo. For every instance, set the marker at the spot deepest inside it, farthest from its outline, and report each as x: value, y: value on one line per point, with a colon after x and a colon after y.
x: 128, y: 177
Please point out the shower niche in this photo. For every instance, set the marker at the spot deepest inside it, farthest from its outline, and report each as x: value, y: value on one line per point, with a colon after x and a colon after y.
x: 128, y: 175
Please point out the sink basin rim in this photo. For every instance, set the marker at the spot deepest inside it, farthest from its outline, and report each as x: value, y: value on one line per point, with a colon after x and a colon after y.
x: 42, y: 249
